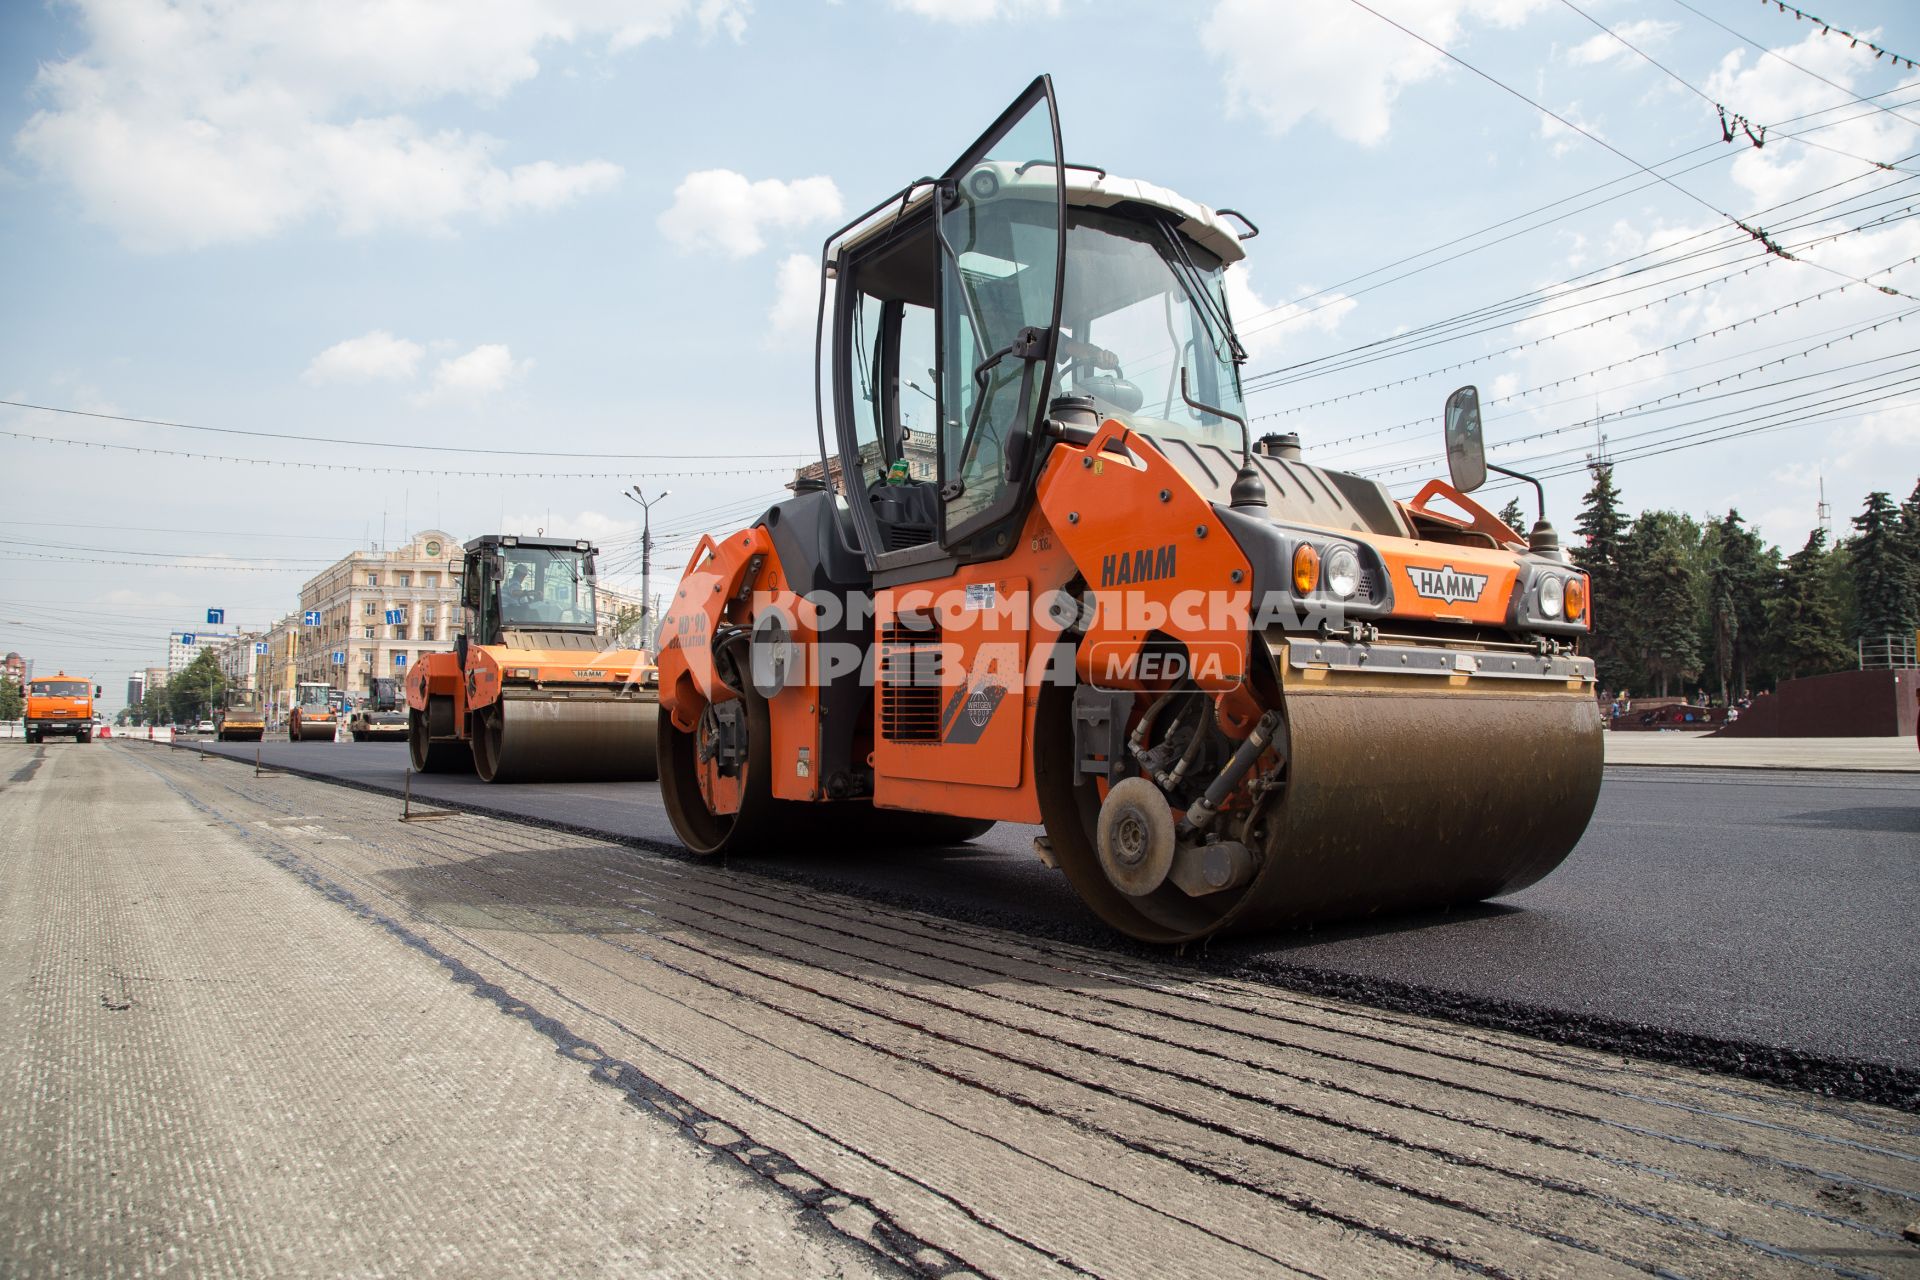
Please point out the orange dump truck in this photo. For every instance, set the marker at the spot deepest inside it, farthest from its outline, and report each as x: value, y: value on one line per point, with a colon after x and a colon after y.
x: 60, y: 706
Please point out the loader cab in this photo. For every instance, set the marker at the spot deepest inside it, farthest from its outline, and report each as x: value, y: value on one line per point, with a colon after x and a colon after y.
x: 511, y: 583
x: 963, y: 312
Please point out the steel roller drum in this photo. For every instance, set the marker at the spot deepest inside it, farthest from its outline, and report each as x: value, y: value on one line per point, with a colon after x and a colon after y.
x: 1399, y: 797
x: 317, y: 731
x: 1401, y: 800
x: 567, y: 740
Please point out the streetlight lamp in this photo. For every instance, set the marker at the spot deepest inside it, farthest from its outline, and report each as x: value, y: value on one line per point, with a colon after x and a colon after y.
x: 646, y: 561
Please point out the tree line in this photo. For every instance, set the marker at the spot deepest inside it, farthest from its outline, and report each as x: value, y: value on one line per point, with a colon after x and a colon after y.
x: 190, y: 695
x: 1681, y: 605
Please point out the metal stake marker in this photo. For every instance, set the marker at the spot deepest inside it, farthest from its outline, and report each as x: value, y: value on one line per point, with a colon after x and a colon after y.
x: 406, y: 806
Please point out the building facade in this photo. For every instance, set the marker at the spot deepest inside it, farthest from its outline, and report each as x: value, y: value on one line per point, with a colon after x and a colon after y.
x: 378, y: 612
x: 278, y: 670
x: 241, y: 662
x: 16, y: 668
x: 184, y: 646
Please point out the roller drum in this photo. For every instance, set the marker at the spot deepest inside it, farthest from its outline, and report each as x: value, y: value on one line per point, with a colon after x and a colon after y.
x: 1414, y: 801
x: 566, y: 740
x: 1396, y: 800
x: 317, y: 731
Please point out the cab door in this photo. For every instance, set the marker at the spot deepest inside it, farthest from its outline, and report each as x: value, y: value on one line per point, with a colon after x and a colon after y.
x: 951, y: 707
x: 1001, y: 239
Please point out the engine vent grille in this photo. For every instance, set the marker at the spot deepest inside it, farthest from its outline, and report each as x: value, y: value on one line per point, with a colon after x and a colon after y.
x: 911, y: 678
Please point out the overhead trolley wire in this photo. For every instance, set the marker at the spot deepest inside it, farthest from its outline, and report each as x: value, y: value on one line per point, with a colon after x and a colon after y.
x: 381, y: 444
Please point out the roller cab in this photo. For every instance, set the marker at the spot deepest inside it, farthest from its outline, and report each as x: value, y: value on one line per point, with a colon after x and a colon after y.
x: 529, y: 692
x: 314, y: 717
x: 1046, y: 575
x: 243, y: 718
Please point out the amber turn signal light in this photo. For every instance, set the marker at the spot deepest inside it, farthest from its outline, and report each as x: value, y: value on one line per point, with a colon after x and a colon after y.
x: 1576, y: 599
x: 1306, y: 568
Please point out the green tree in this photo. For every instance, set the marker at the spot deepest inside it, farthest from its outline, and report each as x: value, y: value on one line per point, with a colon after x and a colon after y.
x: 1601, y: 527
x: 1740, y: 569
x: 1659, y: 590
x: 1513, y: 517
x: 1883, y: 571
x: 195, y: 692
x: 153, y: 705
x: 13, y: 703
x: 1804, y: 627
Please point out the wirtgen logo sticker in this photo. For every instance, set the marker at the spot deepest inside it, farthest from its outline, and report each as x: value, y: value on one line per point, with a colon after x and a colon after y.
x: 1447, y: 583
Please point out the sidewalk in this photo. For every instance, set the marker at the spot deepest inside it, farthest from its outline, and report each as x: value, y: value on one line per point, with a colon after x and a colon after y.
x: 1670, y: 748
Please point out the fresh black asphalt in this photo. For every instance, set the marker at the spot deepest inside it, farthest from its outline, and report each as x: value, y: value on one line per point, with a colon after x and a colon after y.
x: 1760, y: 921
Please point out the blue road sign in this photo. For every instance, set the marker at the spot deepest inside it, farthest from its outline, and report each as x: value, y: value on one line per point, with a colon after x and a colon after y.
x: 399, y: 659
x: 395, y: 617
x: 339, y: 657
x: 260, y: 647
x: 216, y: 617
x: 311, y: 618
x: 186, y: 637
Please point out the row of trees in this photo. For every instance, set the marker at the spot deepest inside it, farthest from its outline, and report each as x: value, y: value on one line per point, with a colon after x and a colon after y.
x: 1681, y: 604
x: 189, y: 696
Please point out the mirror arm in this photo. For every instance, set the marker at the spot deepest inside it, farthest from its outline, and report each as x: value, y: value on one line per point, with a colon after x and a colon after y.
x: 1248, y: 490
x: 1539, y: 490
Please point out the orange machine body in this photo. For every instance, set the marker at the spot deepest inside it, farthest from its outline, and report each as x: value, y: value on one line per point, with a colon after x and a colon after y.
x: 59, y: 706
x: 496, y: 671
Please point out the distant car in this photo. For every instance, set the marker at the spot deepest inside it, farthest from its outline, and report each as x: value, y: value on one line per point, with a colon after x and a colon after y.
x: 205, y: 726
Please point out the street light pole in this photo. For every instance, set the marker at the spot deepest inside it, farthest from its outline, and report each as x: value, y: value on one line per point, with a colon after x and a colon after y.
x: 646, y: 561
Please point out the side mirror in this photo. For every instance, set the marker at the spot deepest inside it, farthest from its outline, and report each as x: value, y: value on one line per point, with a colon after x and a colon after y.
x: 97, y: 692
x: 1466, y: 450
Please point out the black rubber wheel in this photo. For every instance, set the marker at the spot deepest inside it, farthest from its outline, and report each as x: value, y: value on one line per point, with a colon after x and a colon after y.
x: 760, y: 825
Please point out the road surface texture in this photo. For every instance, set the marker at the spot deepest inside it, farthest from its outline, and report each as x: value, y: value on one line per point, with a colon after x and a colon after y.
x: 959, y: 1100
x: 209, y: 1068
x: 1766, y: 923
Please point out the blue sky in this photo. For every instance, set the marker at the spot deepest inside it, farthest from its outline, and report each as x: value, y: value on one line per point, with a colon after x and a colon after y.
x: 581, y: 225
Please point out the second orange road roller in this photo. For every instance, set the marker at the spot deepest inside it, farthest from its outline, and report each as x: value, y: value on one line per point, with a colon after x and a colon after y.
x: 1237, y: 690
x: 529, y: 692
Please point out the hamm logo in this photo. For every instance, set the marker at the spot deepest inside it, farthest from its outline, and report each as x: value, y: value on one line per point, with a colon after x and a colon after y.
x: 1148, y: 564
x: 1447, y: 583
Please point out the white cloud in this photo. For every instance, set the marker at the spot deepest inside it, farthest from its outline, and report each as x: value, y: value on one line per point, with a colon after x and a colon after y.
x: 195, y: 122
x: 796, y: 298
x: 1646, y: 34
x: 1265, y: 327
x: 969, y: 11
x: 722, y: 210
x: 1284, y: 63
x: 486, y: 370
x: 376, y: 355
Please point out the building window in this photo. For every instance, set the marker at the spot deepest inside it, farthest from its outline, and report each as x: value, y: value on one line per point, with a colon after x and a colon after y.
x: 431, y: 613
x: 366, y: 633
x: 373, y: 579
x: 402, y: 579
x: 371, y: 608
x: 430, y: 580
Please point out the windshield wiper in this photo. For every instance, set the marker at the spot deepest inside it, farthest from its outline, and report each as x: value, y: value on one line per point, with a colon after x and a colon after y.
x: 1195, y: 284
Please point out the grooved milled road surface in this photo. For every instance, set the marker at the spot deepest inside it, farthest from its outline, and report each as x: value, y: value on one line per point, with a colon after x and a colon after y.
x: 1773, y: 909
x: 959, y: 1099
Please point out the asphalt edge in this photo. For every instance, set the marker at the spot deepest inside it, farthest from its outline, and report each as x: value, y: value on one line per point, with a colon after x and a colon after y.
x: 1848, y: 1079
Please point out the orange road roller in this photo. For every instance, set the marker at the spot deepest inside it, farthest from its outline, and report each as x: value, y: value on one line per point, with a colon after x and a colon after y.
x: 1044, y: 574
x: 313, y: 718
x: 529, y: 693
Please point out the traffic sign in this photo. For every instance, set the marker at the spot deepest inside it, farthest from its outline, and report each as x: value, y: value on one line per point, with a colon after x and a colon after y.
x: 339, y: 657
x: 186, y: 637
x: 260, y: 647
x: 311, y: 618
x: 396, y: 616
x: 399, y: 659
x: 216, y: 617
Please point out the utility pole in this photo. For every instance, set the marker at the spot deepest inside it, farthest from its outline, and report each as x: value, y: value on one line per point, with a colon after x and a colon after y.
x: 646, y: 561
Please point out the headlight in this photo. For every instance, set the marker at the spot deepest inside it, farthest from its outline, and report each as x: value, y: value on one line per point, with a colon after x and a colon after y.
x: 1306, y: 569
x: 1342, y: 573
x: 521, y: 673
x: 1552, y: 595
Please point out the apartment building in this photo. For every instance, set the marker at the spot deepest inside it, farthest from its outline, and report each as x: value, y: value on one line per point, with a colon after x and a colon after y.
x: 184, y: 646
x: 373, y: 613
